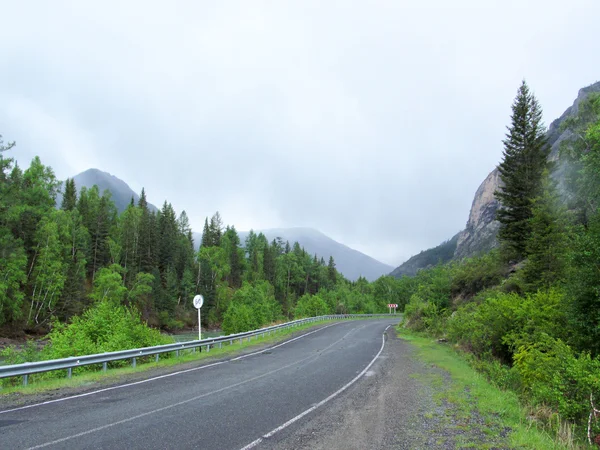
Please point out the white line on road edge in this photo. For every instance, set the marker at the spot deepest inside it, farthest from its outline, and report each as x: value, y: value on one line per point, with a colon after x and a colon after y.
x: 164, y: 376
x: 183, y: 402
x: 321, y: 403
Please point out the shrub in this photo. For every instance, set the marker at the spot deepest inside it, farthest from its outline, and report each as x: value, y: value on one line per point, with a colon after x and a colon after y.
x: 104, y: 327
x: 504, y: 321
x: 421, y: 315
x: 553, y: 375
x: 311, y: 306
x: 476, y: 274
x: 251, y: 307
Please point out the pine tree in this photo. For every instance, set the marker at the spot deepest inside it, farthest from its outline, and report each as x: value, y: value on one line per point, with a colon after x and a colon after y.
x: 206, y: 241
x: 524, y: 160
x: 142, y: 202
x: 331, y: 272
x: 216, y: 229
x: 546, y: 245
x: 69, y: 201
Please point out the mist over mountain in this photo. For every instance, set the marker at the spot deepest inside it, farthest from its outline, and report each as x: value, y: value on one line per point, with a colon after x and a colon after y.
x: 427, y: 258
x: 480, y: 233
x: 121, y: 192
x: 351, y: 263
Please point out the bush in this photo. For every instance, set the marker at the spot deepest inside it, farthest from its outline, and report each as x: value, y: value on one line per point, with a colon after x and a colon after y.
x: 553, y: 375
x: 311, y: 306
x: 251, y: 307
x: 504, y: 321
x: 421, y: 315
x: 105, y: 327
x: 476, y: 274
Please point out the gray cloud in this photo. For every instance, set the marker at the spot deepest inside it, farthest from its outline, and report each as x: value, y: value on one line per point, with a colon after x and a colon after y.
x: 374, y: 122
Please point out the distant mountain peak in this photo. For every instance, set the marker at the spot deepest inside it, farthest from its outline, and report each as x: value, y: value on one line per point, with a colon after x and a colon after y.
x: 119, y: 189
x: 350, y: 262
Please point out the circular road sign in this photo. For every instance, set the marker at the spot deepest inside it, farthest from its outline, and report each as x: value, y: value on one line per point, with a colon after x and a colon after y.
x: 198, y: 301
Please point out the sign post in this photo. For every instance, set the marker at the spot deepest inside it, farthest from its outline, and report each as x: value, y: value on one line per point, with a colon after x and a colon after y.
x: 392, y: 305
x: 198, y: 302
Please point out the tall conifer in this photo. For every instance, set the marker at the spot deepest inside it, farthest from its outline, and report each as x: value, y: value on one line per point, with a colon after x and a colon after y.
x: 524, y: 161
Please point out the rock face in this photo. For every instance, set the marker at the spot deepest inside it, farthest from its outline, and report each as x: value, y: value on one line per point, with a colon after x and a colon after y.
x: 480, y: 234
x: 482, y: 228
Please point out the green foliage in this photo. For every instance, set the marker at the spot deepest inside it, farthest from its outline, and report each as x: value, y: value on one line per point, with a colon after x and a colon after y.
x: 524, y: 160
x: 552, y: 374
x: 311, y: 306
x: 13, y: 263
x: 108, y: 285
x: 28, y: 353
x: 477, y: 274
x: 104, y: 327
x: 547, y: 244
x: 423, y: 315
x: 583, y: 287
x: 502, y: 322
x: 251, y: 307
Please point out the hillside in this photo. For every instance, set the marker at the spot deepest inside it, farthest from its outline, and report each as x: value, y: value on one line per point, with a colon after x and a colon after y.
x: 427, y: 258
x: 351, y: 263
x: 121, y: 192
x: 480, y: 233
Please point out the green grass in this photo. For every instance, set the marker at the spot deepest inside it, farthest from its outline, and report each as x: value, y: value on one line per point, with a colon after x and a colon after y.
x: 469, y: 391
x: 87, y: 377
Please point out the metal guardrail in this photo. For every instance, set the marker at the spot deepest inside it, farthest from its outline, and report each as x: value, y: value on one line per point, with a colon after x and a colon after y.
x: 26, y: 369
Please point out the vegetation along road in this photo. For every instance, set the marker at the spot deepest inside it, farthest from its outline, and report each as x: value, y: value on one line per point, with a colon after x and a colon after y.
x: 227, y: 404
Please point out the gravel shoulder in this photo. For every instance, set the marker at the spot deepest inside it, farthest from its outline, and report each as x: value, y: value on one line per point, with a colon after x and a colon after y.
x: 397, y: 404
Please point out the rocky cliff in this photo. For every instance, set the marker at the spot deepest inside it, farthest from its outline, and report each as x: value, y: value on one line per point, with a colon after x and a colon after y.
x: 480, y: 234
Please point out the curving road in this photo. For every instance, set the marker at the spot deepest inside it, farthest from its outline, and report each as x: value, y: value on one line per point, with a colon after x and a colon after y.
x: 229, y: 404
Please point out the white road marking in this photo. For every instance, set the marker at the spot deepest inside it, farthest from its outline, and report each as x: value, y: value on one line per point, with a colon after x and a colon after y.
x: 174, y: 405
x: 164, y: 376
x: 321, y: 403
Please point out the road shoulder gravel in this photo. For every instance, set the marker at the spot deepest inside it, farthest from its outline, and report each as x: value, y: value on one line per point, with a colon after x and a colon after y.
x: 398, y: 404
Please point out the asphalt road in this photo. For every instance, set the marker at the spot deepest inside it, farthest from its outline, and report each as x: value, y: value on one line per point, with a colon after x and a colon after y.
x: 229, y: 404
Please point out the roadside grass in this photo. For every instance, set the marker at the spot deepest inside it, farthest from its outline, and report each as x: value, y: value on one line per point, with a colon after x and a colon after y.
x: 468, y: 391
x: 86, y: 377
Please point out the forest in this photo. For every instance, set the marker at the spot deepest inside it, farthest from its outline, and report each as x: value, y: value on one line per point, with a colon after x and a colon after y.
x: 58, y: 262
x: 527, y: 314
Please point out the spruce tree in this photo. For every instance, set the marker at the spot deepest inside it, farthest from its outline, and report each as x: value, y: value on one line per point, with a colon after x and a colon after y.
x: 524, y: 161
x: 547, y: 244
x: 69, y: 201
x: 331, y: 272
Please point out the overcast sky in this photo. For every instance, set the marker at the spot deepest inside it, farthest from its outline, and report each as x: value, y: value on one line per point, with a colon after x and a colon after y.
x: 372, y: 121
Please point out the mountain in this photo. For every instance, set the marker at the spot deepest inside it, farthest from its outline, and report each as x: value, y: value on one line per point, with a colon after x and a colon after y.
x: 121, y: 192
x: 480, y: 234
x: 351, y: 263
x: 427, y: 258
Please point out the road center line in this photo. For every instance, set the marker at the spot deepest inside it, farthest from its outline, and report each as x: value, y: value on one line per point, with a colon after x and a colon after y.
x: 183, y: 402
x: 135, y: 383
x: 321, y: 403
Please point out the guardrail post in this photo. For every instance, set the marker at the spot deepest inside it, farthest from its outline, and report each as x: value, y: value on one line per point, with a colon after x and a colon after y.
x: 104, y: 366
x: 25, y: 379
x: 69, y: 372
x: 133, y: 362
